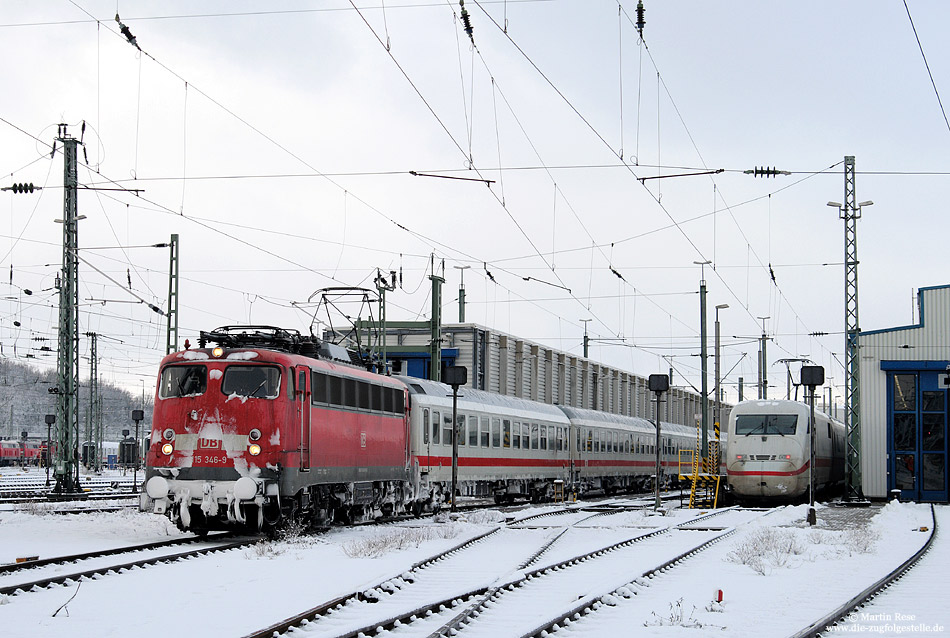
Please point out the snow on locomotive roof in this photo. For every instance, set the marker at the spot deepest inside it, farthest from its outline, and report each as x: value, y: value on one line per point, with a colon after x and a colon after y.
x: 436, y: 389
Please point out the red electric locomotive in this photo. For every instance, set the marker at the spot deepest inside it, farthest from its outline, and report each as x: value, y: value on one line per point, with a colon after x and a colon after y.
x: 269, y: 425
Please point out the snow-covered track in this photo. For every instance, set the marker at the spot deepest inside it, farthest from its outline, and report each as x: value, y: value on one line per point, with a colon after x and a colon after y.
x: 58, y: 578
x: 473, y: 620
x: 58, y: 560
x: 350, y: 602
x: 825, y: 624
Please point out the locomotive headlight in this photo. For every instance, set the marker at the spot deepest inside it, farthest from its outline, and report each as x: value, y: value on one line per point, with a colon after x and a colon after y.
x: 217, y: 352
x: 254, y: 434
x: 167, y: 449
x: 254, y: 449
x: 168, y: 435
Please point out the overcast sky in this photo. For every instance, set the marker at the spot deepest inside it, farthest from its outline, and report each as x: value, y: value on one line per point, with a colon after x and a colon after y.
x: 277, y: 139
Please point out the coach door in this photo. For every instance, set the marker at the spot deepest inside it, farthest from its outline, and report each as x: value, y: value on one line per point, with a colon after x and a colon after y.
x: 303, y: 415
x: 917, y: 436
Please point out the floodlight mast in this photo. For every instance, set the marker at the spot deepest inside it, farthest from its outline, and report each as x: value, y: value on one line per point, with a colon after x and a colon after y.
x: 850, y: 213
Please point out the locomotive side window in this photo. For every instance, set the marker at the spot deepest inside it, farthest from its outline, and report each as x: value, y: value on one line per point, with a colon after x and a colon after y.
x: 183, y: 381
x: 336, y: 391
x: 319, y: 392
x: 260, y: 382
x: 376, y: 397
x: 399, y: 401
x: 766, y: 424
x: 389, y: 399
x: 349, y: 393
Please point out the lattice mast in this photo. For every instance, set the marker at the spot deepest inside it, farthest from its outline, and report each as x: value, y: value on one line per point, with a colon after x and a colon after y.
x: 850, y: 213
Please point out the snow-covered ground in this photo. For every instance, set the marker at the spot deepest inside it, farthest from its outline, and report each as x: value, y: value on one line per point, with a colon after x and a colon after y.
x: 776, y: 574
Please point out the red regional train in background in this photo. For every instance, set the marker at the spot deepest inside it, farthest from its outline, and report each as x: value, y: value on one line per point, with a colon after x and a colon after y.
x: 21, y: 452
x: 269, y: 426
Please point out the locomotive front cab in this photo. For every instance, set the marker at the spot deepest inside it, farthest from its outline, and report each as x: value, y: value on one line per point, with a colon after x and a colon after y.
x: 215, y: 454
x: 766, y: 457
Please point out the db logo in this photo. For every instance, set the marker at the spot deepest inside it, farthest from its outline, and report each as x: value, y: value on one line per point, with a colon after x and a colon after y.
x: 362, y: 439
x: 209, y: 444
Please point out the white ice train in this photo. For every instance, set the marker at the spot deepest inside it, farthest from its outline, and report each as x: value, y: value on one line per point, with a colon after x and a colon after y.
x: 767, y: 453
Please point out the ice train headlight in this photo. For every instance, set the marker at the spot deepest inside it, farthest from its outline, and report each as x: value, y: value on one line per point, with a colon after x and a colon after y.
x: 254, y: 449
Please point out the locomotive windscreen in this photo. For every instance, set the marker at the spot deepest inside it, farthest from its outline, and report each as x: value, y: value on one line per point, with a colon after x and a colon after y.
x: 183, y: 381
x: 766, y: 424
x: 262, y: 382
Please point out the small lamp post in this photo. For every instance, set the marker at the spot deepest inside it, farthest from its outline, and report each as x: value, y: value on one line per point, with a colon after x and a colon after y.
x: 455, y: 376
x: 137, y: 415
x: 812, y: 377
x: 50, y: 420
x: 658, y: 383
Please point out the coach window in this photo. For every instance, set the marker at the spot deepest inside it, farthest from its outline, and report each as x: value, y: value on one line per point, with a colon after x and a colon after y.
x: 425, y: 425
x: 496, y: 432
x: 183, y: 381
x: 516, y: 435
x: 590, y: 440
x: 473, y: 431
x: 318, y: 383
x: 506, y: 433
x: 460, y: 429
x: 447, y: 429
x: 484, y: 431
x: 544, y: 437
x: 436, y: 425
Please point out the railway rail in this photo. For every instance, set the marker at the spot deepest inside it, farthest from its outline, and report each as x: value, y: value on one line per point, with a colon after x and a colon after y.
x: 421, y: 603
x: 53, y: 566
x: 824, y: 625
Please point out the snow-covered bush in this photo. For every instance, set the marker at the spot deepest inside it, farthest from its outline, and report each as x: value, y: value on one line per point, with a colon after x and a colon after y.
x: 396, y: 539
x: 767, y: 548
x: 676, y: 617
